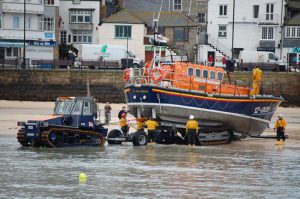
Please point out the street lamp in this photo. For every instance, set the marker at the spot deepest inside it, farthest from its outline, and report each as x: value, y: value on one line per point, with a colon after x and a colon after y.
x: 232, y: 39
x: 24, y: 53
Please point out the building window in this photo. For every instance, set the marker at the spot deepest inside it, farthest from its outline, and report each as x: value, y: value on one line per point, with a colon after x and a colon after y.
x: 12, y: 52
x: 177, y: 4
x: 16, y: 22
x: 0, y: 21
x: 255, y: 11
x: 201, y: 18
x: 28, y: 23
x: 223, y: 10
x: 81, y: 16
x: 222, y: 31
x: 267, y: 33
x: 76, y: 1
x: 292, y: 32
x: 181, y: 34
x: 63, y: 37
x: 270, y: 12
x: 48, y: 24
x: 49, y: 2
x: 161, y: 30
x: 82, y: 36
x: 122, y: 31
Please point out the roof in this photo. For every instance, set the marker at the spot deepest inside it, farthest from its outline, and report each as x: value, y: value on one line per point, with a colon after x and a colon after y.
x: 146, y: 5
x: 124, y: 16
x: 167, y: 19
x: 294, y: 21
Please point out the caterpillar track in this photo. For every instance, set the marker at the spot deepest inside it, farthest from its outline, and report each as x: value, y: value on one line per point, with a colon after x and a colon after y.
x: 57, y: 137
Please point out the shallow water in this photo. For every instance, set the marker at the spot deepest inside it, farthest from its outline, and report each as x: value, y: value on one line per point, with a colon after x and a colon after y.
x: 245, y: 169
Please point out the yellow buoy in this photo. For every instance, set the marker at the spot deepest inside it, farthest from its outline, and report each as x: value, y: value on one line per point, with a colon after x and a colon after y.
x: 82, y: 177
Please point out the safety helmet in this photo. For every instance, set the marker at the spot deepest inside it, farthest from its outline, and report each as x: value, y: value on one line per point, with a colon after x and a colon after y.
x: 280, y: 116
x: 191, y: 117
x: 123, y: 115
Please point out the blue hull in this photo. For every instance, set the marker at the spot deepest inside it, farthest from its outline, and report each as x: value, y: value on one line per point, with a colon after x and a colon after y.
x: 241, y: 113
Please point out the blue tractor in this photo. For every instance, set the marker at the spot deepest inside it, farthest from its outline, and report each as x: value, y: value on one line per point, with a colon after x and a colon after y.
x: 74, y: 123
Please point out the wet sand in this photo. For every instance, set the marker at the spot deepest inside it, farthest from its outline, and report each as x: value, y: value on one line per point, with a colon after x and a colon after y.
x: 13, y: 111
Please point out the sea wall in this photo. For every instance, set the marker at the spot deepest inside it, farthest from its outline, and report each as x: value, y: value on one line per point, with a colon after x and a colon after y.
x: 41, y: 85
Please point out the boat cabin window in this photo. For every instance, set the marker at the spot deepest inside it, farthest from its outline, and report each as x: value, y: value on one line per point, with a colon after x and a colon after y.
x: 212, y: 75
x: 205, y: 73
x: 77, y: 107
x: 198, y: 72
x: 220, y: 76
x: 190, y: 71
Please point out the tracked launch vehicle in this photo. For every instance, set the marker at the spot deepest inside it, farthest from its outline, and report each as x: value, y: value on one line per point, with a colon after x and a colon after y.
x: 74, y: 123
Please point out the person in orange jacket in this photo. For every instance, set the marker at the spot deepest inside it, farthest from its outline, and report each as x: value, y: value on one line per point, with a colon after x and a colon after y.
x: 280, y: 126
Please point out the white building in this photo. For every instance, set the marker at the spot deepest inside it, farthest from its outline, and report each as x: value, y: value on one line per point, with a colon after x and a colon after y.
x: 124, y: 28
x: 79, y: 21
x: 257, y: 27
x: 40, y: 25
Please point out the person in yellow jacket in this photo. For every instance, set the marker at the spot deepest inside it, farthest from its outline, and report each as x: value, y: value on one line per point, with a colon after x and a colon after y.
x: 123, y: 124
x: 256, y: 80
x: 280, y: 125
x: 140, y: 123
x: 191, y: 130
x: 151, y: 125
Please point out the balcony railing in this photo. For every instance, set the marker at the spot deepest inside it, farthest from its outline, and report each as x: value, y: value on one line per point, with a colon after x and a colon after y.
x: 17, y: 6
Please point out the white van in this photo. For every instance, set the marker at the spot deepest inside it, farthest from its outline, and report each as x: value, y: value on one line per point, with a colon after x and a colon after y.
x: 266, y: 60
x: 106, y: 52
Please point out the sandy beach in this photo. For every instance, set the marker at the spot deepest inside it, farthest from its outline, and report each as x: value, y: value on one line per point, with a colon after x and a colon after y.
x: 13, y: 111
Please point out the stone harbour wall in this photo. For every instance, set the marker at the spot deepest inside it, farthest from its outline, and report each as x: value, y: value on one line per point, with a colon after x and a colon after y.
x: 41, y: 85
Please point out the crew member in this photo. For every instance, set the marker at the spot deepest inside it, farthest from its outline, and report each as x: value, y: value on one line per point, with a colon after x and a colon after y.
x: 224, y: 60
x: 191, y: 130
x: 121, y: 112
x: 123, y: 124
x: 140, y: 123
x: 151, y: 126
x: 280, y: 126
x: 256, y: 80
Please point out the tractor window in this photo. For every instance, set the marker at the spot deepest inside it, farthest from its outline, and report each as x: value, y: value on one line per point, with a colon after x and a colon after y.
x: 68, y: 107
x: 77, y: 107
x: 87, y: 109
x: 59, y: 107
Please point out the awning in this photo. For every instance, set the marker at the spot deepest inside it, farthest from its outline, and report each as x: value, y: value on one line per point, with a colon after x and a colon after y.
x: 8, y: 44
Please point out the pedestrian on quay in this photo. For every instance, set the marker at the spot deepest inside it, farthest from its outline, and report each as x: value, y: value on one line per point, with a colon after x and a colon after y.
x: 224, y: 60
x: 256, y: 80
x: 124, y: 124
x: 151, y: 125
x: 280, y: 126
x: 210, y: 60
x: 191, y: 130
x: 122, y: 111
x: 107, y: 111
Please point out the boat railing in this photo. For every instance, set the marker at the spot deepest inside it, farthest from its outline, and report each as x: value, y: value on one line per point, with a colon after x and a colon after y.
x: 237, y: 88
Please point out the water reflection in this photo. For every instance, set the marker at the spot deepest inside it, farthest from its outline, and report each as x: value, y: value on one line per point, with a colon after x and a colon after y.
x: 247, y: 169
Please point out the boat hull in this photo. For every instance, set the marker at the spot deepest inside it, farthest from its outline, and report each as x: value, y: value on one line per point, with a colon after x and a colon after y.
x: 241, y: 114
